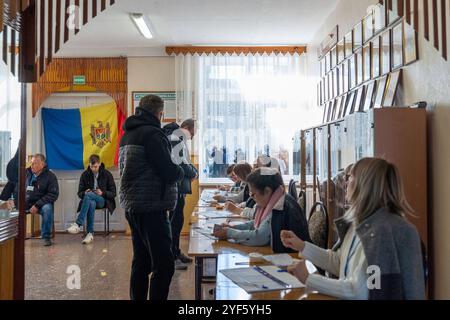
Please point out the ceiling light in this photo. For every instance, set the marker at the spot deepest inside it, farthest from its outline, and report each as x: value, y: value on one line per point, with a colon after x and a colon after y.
x: 142, y: 25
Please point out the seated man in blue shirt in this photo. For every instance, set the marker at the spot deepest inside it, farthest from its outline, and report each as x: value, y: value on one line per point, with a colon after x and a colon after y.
x: 97, y: 190
x: 42, y: 192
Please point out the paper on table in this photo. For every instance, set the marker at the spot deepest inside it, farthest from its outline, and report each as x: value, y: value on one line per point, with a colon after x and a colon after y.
x: 216, y: 214
x: 280, y: 260
x: 284, y: 260
x: 252, y: 280
x: 206, y: 233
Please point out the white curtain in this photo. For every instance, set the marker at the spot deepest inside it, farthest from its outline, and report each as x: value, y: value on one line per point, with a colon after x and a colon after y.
x: 10, y: 93
x: 246, y: 105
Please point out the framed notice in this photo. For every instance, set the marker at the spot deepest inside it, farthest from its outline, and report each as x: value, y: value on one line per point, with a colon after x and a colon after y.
x: 169, y: 98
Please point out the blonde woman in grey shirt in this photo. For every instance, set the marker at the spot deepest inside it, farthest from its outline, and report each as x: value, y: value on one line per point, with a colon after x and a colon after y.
x: 379, y: 253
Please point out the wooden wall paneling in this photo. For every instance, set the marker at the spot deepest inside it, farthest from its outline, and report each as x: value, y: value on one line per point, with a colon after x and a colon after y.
x: 42, y: 35
x: 1, y: 15
x: 27, y: 65
x: 5, y: 44
x: 444, y: 28
x: 416, y: 15
x: 426, y: 19
x: 401, y: 8
x: 58, y: 26
x: 408, y: 11
x: 77, y: 16
x: 66, y: 19
x: 85, y: 11
x: 435, y: 24
x: 13, y: 51
x: 94, y: 8
x: 50, y: 32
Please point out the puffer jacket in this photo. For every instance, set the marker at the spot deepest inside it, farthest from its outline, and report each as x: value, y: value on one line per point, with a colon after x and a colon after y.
x: 105, y: 182
x: 179, y: 146
x: 148, y: 176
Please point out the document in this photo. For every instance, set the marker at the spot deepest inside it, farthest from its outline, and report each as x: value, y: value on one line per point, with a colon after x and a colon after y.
x: 210, y: 214
x: 284, y: 260
x: 261, y: 279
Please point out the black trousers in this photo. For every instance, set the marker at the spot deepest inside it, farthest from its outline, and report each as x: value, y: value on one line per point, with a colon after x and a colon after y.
x: 152, y: 254
x: 176, y: 222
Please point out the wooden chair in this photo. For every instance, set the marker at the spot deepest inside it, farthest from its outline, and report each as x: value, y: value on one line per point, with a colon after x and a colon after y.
x: 106, y: 227
x: 302, y: 200
x: 33, y: 226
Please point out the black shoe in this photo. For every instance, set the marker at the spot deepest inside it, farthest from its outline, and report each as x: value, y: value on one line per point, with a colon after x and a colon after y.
x: 47, y: 242
x: 180, y: 265
x: 184, y: 258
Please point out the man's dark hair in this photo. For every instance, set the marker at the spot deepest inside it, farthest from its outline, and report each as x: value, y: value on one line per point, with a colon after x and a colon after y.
x: 152, y: 104
x: 93, y: 159
x: 41, y: 157
x: 188, y: 124
x: 260, y: 180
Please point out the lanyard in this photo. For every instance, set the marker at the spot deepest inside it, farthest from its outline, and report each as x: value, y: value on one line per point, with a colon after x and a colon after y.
x: 351, y: 252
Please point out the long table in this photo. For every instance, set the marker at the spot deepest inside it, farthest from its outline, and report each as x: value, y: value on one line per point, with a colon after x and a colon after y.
x: 206, y: 251
x: 211, y: 256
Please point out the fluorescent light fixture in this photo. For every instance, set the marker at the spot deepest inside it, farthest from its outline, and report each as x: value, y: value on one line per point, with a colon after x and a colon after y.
x: 142, y: 25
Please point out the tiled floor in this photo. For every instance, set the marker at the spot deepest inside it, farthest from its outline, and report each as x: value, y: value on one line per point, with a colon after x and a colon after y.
x: 104, y: 265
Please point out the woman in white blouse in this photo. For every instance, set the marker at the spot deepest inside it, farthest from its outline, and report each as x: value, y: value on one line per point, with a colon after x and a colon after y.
x: 374, y: 235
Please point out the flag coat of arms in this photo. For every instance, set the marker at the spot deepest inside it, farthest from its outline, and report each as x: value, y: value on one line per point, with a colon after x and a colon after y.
x: 72, y: 135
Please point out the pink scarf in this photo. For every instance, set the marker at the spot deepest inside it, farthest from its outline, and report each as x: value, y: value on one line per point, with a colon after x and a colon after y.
x: 262, y: 213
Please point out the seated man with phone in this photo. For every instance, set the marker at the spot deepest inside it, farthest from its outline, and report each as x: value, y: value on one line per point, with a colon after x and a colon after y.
x: 97, y: 190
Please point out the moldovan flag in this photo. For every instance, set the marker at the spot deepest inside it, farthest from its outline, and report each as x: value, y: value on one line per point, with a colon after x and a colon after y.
x: 73, y: 135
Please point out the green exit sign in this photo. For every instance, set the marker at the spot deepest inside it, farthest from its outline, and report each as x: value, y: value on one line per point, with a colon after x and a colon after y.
x: 79, y: 80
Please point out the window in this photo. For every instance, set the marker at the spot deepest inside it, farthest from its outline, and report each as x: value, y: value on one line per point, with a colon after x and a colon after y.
x: 248, y: 106
x: 9, y: 118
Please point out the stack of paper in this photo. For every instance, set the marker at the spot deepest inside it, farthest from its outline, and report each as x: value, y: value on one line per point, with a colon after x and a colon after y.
x: 260, y: 279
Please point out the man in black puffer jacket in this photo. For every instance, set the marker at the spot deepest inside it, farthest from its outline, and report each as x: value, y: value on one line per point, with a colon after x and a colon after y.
x: 148, y: 192
x: 178, y: 136
x: 97, y: 190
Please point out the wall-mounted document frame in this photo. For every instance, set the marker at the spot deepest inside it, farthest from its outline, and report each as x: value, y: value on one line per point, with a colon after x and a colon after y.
x: 341, y: 51
x: 381, y: 89
x: 368, y: 101
x: 391, y: 88
x: 169, y: 98
x: 385, y: 52
x: 368, y: 27
x: 348, y: 44
x: 359, y: 66
x: 411, y: 49
x: 376, y: 61
x: 394, y: 13
x: 367, y: 61
x: 379, y: 18
x: 358, y: 36
x: 397, y: 46
x: 359, y: 99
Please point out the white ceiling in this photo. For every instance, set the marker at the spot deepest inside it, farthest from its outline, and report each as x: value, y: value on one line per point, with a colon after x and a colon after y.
x: 199, y: 22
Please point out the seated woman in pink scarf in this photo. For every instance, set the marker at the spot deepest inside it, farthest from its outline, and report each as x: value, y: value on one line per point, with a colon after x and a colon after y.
x: 274, y: 210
